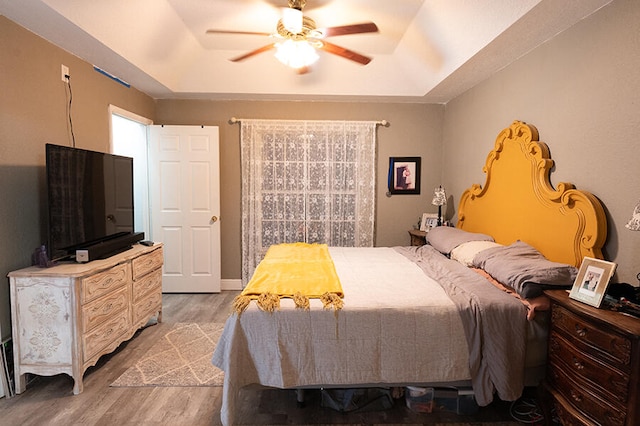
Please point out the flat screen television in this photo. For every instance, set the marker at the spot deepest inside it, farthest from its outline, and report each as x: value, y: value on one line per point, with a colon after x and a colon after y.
x: 90, y: 203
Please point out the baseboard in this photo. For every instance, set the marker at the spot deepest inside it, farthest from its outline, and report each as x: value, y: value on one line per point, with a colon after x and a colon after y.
x: 233, y: 284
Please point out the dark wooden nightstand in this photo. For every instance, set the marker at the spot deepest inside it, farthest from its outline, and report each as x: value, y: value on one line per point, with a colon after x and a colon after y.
x: 593, y: 370
x: 418, y: 238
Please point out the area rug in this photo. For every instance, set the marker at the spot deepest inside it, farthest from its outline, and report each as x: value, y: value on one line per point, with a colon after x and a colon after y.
x: 182, y: 357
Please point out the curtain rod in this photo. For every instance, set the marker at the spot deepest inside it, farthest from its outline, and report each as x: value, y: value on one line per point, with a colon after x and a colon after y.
x: 234, y: 120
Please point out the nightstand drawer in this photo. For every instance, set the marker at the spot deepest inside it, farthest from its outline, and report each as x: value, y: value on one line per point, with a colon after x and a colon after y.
x: 598, y: 374
x: 586, y: 402
x: 593, y: 373
x: 609, y: 346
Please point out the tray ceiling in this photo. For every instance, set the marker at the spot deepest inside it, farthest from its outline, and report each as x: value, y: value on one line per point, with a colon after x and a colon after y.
x: 425, y: 51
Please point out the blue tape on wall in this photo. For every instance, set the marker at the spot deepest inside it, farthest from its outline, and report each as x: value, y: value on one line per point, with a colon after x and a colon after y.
x: 112, y: 77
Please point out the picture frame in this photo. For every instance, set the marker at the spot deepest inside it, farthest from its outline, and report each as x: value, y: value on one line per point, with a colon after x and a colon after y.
x: 404, y: 175
x: 6, y: 370
x: 429, y: 220
x: 592, y: 281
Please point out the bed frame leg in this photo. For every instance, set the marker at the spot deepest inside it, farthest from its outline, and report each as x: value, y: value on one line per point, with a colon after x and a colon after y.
x: 300, y: 397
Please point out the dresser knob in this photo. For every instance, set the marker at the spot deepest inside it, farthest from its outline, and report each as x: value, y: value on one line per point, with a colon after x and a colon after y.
x: 578, y: 364
x: 576, y: 397
x: 581, y: 331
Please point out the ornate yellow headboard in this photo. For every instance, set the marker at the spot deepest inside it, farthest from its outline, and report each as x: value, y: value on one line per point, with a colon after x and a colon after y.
x: 518, y: 202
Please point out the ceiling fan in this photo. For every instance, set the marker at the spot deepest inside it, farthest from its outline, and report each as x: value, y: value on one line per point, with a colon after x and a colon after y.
x: 298, y: 38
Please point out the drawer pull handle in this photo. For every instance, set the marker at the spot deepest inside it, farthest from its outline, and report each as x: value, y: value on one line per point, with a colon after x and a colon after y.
x: 576, y: 397
x: 581, y: 331
x: 578, y: 364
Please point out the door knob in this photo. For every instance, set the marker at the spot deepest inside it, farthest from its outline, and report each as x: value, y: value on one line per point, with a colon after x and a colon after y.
x: 214, y: 219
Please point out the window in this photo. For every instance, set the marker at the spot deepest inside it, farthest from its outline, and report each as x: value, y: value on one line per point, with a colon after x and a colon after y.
x: 129, y: 138
x: 310, y: 181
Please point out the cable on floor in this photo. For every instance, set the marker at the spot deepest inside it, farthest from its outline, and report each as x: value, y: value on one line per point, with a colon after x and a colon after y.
x: 526, y: 410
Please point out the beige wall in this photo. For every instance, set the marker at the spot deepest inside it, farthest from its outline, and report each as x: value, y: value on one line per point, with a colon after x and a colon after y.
x: 415, y: 131
x: 33, y: 111
x: 582, y: 91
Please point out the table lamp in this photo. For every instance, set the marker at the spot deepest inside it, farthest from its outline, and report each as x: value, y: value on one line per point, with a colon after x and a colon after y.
x: 439, y: 199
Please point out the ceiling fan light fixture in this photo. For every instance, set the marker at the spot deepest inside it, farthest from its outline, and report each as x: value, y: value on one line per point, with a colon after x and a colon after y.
x: 292, y: 20
x: 299, y: 38
x: 296, y: 53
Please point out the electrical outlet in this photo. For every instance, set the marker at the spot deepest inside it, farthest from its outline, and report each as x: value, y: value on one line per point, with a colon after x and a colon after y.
x: 65, y: 73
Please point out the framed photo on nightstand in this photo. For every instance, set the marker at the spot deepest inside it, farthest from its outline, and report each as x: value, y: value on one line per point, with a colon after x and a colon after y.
x: 429, y: 220
x: 592, y: 281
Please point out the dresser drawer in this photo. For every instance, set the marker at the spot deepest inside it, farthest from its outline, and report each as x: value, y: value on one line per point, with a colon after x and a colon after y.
x: 105, y: 335
x: 98, y: 311
x: 598, y: 374
x: 148, y: 283
x: 567, y: 415
x: 580, y: 397
x: 609, y: 346
x: 104, y: 282
x: 146, y: 306
x: 144, y: 264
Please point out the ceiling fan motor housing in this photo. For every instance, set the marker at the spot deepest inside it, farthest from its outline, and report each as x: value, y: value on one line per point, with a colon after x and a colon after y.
x: 297, y: 4
x: 308, y: 25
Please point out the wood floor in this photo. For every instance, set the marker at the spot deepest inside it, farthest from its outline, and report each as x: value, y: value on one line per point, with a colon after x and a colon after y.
x: 50, y: 401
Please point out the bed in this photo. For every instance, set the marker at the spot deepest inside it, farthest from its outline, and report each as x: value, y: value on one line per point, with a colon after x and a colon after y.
x: 429, y: 315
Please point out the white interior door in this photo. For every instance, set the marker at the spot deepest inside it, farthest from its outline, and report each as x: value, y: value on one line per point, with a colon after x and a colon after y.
x: 184, y: 182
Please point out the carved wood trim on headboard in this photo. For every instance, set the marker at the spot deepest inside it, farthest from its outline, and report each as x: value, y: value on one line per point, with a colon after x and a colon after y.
x: 518, y: 202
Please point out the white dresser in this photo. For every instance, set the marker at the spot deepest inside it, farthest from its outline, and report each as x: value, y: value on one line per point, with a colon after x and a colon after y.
x: 64, y: 318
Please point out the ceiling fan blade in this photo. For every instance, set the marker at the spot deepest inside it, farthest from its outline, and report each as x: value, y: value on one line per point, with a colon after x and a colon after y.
x: 238, y: 32
x: 345, y: 53
x: 254, y: 52
x: 365, y: 27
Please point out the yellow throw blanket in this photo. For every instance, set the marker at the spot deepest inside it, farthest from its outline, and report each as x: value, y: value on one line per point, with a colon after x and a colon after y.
x: 298, y: 271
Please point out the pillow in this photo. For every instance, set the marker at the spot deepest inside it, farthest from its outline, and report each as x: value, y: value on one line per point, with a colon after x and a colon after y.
x: 445, y: 238
x: 525, y: 269
x: 465, y: 252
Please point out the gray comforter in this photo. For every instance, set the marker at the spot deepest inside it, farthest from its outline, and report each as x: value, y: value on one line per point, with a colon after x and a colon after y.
x: 494, y: 325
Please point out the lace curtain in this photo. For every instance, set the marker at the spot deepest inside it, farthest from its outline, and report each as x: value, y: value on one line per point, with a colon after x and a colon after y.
x: 310, y: 181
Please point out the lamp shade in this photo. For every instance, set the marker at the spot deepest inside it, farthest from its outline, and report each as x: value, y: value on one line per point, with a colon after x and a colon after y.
x: 634, y: 222
x: 439, y: 197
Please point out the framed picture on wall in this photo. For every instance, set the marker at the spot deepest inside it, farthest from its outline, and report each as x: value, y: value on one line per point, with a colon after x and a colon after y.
x: 404, y: 175
x: 592, y: 281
